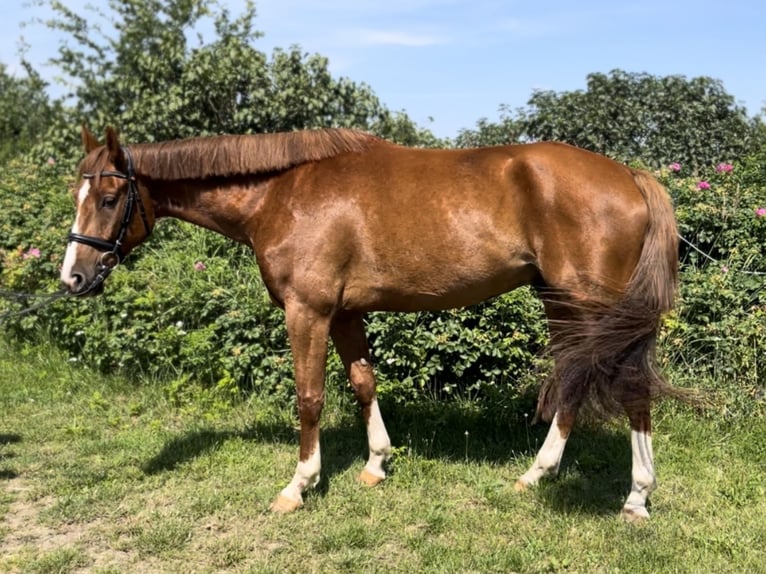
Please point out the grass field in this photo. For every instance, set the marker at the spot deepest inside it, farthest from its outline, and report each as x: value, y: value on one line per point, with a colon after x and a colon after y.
x: 107, y: 475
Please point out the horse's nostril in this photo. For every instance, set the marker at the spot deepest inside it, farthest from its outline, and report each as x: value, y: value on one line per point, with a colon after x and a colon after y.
x: 77, y: 282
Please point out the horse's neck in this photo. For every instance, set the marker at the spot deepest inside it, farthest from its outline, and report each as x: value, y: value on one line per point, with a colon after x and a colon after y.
x: 225, y: 209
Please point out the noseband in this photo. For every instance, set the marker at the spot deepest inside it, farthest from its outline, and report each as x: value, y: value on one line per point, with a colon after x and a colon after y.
x: 112, y: 250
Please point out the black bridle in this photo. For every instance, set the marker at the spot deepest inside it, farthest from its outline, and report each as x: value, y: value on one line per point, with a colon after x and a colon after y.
x: 112, y: 250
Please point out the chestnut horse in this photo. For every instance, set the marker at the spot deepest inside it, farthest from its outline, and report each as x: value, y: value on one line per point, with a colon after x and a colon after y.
x: 342, y: 223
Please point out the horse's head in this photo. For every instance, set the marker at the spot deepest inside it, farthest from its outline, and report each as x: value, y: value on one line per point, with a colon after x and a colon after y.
x: 114, y: 214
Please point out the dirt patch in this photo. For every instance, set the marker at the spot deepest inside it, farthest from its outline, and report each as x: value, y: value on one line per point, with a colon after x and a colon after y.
x: 25, y: 535
x: 221, y: 544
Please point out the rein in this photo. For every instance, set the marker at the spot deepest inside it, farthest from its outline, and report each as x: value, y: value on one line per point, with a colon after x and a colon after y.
x: 112, y: 250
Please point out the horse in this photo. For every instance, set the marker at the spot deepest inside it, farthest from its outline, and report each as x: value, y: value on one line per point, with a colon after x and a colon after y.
x: 342, y: 223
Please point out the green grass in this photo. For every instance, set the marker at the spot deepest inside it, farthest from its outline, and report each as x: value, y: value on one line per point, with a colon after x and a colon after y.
x: 110, y: 475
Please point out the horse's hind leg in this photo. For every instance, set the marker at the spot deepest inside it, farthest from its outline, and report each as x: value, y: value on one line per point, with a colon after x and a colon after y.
x: 347, y: 333
x: 643, y: 476
x: 566, y: 397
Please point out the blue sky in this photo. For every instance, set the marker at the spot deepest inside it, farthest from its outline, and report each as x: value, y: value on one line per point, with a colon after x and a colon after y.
x: 457, y: 61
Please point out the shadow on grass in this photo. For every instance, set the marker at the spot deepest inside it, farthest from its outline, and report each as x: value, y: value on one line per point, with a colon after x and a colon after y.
x: 9, y: 438
x: 5, y: 438
x: 191, y: 444
x: 595, y: 472
x: 594, y: 476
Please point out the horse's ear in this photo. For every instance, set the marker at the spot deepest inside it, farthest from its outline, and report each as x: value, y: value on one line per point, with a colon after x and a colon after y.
x: 89, y: 141
x: 112, y: 143
x: 116, y: 154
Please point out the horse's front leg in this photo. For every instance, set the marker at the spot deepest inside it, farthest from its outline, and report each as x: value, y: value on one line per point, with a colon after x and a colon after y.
x: 308, y: 332
x: 347, y: 333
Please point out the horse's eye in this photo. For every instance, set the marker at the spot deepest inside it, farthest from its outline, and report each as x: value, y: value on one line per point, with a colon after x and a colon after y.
x: 108, y: 202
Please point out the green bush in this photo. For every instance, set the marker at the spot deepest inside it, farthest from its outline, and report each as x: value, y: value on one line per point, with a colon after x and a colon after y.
x: 35, y: 217
x: 189, y: 305
x: 471, y: 351
x: 715, y: 336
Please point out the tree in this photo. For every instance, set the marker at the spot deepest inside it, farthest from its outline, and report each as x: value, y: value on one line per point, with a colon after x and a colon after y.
x: 633, y: 116
x: 146, y: 79
x: 25, y: 112
x: 509, y: 130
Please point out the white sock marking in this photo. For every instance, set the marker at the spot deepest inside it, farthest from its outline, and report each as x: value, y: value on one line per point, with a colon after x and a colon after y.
x: 306, y: 476
x: 379, y: 443
x: 644, y: 478
x: 549, y: 458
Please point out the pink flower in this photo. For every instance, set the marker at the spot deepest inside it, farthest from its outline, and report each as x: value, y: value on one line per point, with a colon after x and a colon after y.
x: 199, y: 266
x: 760, y: 212
x: 724, y: 167
x: 32, y: 252
x: 724, y: 268
x: 51, y: 161
x: 703, y: 185
x: 675, y: 166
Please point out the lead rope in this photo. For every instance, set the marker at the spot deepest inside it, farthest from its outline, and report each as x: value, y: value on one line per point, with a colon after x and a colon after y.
x: 47, y: 299
x: 716, y: 261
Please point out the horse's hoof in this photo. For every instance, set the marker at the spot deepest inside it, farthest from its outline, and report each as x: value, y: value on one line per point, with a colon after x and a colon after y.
x: 634, y: 514
x: 521, y: 486
x: 284, y: 505
x: 369, y: 479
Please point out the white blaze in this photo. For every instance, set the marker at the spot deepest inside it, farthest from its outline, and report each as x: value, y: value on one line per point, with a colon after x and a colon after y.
x: 71, y: 251
x: 83, y: 193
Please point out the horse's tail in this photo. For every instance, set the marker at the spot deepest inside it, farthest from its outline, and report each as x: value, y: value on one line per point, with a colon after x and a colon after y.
x: 605, y: 355
x: 654, y: 282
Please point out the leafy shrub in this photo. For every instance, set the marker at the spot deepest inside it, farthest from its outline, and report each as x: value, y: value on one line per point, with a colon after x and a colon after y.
x: 35, y: 217
x: 462, y: 351
x: 715, y: 337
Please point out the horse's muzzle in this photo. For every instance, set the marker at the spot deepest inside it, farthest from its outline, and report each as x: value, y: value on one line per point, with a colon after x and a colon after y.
x: 78, y: 287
